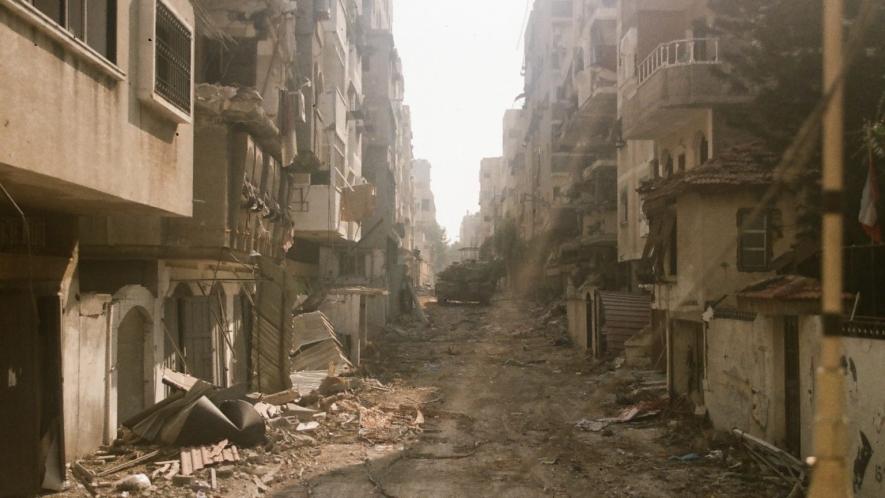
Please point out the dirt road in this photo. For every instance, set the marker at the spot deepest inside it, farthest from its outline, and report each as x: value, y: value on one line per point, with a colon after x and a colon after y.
x: 500, y: 395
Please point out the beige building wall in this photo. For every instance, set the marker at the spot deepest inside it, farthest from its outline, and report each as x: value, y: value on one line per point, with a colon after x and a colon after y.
x: 91, y: 144
x: 707, y: 232
x: 744, y: 385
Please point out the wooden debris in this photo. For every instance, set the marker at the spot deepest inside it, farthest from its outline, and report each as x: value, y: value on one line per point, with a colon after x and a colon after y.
x: 173, y: 471
x: 281, y: 398
x: 180, y: 381
x: 261, y: 486
x: 197, y: 458
x: 213, y: 479
x: 147, y: 457
x: 161, y: 470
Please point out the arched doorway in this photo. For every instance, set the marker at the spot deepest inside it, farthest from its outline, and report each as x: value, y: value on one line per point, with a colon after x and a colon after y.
x: 132, y: 335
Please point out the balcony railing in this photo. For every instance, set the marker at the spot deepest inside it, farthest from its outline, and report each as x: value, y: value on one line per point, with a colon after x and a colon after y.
x: 678, y: 53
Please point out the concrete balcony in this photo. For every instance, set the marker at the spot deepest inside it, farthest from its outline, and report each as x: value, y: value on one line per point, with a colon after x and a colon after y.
x: 75, y: 137
x: 675, y: 79
x: 589, y: 125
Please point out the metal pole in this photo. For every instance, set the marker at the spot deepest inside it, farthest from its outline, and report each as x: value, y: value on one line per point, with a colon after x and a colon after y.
x: 830, y: 478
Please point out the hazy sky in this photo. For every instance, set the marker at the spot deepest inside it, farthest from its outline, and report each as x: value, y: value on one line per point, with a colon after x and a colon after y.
x: 462, y: 71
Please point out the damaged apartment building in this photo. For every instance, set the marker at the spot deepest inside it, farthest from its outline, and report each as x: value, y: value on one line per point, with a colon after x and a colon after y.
x: 557, y: 192
x: 736, y: 299
x: 194, y: 172
x: 626, y: 166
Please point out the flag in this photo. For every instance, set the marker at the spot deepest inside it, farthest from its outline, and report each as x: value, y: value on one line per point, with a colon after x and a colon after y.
x: 869, y: 205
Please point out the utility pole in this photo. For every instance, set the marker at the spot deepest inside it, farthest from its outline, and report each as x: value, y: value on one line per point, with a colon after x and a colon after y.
x: 830, y: 478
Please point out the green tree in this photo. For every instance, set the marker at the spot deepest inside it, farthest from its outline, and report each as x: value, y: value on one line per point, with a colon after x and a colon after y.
x: 773, y: 48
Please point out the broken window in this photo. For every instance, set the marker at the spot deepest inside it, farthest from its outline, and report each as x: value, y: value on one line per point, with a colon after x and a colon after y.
x: 173, y: 54
x: 703, y: 150
x: 92, y: 21
x: 667, y: 164
x: 754, y: 250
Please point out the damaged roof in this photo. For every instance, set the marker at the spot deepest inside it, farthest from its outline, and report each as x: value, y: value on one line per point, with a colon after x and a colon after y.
x: 787, y: 288
x: 749, y: 164
x: 784, y: 287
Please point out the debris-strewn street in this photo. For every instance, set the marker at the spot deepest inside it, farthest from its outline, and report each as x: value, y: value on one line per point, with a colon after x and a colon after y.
x: 483, y: 401
x: 501, y: 394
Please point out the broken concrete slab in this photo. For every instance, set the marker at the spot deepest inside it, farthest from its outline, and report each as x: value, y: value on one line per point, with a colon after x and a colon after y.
x: 308, y: 427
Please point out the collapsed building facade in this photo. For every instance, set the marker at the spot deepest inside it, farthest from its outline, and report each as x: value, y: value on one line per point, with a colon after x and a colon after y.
x: 202, y: 169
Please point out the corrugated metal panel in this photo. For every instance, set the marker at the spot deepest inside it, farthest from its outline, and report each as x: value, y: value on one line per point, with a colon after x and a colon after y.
x: 623, y: 315
x: 269, y: 344
x: 277, y: 292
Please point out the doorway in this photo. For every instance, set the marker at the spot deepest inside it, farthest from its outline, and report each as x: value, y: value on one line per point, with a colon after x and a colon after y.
x: 792, y: 395
x: 688, y: 350
x: 132, y: 338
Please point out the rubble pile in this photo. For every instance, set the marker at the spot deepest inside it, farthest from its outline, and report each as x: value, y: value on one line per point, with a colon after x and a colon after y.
x: 208, y: 441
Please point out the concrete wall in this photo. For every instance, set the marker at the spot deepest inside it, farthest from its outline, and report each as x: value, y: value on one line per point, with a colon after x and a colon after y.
x: 89, y: 144
x: 744, y: 385
x: 864, y: 403
x: 745, y: 388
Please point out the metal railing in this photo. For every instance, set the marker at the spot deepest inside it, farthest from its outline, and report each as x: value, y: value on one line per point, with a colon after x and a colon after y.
x: 678, y: 53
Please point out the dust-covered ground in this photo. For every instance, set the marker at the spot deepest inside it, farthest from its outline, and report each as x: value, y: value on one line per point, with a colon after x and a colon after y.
x: 481, y: 402
x: 500, y: 392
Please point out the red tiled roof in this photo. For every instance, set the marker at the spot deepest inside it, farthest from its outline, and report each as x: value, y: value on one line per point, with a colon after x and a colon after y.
x: 784, y: 287
x: 750, y: 164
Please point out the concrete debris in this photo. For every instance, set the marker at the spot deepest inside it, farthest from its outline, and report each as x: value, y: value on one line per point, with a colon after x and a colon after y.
x: 184, y: 481
x: 133, y: 483
x: 242, y: 106
x: 307, y: 382
x: 281, y: 398
x: 592, y: 425
x: 307, y: 427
